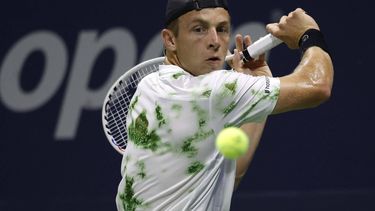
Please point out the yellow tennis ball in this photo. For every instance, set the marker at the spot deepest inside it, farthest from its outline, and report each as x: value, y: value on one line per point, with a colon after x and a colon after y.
x: 232, y: 142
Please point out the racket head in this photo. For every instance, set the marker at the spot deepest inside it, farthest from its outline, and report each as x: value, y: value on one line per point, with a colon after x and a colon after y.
x: 116, y: 102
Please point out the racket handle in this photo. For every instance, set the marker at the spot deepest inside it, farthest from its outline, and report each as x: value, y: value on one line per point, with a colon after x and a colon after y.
x: 258, y: 47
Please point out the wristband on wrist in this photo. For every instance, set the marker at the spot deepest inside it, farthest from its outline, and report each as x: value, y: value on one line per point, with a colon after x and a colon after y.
x: 312, y: 37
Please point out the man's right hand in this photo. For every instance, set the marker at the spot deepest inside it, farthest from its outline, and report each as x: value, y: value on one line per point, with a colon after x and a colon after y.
x: 290, y: 28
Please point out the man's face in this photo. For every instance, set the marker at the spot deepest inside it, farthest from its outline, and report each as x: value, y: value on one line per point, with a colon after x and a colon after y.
x: 203, y: 40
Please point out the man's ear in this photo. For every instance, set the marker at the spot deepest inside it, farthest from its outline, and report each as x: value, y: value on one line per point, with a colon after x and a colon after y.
x: 168, y: 39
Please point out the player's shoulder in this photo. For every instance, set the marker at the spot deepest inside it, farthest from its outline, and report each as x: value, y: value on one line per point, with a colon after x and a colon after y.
x: 226, y: 73
x: 148, y: 79
x: 219, y: 75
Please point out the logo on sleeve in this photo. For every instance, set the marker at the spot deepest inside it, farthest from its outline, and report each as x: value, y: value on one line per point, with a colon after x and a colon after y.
x: 267, y: 88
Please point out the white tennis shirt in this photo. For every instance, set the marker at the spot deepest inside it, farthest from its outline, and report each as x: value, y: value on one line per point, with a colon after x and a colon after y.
x: 171, y: 162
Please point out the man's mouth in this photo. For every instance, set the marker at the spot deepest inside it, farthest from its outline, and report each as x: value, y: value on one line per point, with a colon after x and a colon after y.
x: 214, y: 59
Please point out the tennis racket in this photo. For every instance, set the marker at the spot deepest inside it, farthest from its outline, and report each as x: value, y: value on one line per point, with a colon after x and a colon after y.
x: 116, y: 103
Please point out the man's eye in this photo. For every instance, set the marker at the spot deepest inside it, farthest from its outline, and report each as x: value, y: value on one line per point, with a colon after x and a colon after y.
x: 223, y: 29
x: 198, y: 29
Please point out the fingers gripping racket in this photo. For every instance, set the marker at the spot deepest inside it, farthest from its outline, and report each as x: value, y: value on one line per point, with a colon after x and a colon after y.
x: 116, y: 103
x: 257, y: 48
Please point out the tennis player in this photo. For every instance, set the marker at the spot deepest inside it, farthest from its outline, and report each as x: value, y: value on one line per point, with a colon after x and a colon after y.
x: 171, y: 162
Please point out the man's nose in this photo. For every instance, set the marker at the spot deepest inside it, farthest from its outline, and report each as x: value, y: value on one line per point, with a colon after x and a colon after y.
x: 213, y: 39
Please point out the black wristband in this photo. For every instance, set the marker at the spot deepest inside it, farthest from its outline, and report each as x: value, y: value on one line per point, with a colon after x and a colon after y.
x: 312, y: 37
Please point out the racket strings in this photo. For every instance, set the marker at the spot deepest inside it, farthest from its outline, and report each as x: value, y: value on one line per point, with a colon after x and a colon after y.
x: 122, y: 98
x: 119, y: 102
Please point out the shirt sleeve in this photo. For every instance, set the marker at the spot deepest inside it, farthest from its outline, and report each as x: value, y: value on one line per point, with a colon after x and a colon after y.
x: 238, y: 98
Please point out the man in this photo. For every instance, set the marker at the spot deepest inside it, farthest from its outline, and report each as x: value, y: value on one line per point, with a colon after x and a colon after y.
x: 171, y: 162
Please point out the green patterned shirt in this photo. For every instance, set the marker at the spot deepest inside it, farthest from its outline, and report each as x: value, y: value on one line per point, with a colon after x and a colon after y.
x: 171, y: 162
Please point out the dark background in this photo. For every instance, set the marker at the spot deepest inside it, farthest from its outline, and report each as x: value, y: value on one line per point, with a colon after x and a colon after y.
x: 316, y: 159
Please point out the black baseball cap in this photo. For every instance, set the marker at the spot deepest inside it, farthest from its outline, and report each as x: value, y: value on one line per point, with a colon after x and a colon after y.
x: 176, y: 8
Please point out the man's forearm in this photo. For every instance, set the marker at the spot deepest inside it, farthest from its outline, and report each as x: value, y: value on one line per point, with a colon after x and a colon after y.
x: 254, y: 131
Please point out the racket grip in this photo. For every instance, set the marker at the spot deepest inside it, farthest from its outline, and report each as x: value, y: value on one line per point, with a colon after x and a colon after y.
x: 259, y: 47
